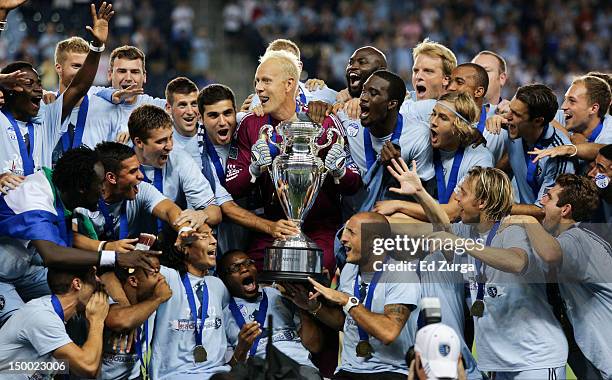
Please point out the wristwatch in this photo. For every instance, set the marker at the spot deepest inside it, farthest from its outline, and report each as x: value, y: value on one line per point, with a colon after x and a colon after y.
x: 351, y: 303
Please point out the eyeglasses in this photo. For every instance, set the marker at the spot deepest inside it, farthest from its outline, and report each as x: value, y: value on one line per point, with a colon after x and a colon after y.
x: 236, y: 267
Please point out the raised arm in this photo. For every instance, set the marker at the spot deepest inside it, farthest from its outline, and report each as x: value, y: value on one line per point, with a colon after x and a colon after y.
x: 5, y: 7
x: 85, y: 76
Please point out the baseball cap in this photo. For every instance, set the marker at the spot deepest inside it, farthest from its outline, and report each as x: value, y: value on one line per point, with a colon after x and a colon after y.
x: 439, y: 347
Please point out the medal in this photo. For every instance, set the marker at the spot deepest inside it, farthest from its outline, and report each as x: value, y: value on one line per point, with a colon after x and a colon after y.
x: 199, y: 354
x: 364, y: 349
x: 477, y: 309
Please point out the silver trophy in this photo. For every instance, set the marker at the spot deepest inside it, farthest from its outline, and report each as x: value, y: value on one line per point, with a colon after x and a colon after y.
x: 297, y: 173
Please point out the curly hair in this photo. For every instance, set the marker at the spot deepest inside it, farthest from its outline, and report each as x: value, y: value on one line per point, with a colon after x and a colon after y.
x: 74, y: 171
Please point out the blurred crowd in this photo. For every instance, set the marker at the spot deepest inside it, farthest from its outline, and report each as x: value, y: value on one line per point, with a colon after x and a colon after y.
x: 164, y: 30
x: 542, y: 40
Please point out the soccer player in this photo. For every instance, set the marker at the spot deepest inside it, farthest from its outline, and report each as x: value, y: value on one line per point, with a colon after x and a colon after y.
x: 93, y: 119
x: 508, y: 290
x: 457, y: 148
x: 371, y: 307
x: 431, y: 71
x: 127, y: 205
x: 495, y: 66
x: 275, y: 82
x: 580, y: 260
x: 145, y: 290
x: 472, y: 79
x: 35, y: 219
x: 31, y: 130
x: 37, y: 332
x: 295, y: 332
x: 172, y: 171
x: 532, y: 109
x: 189, y: 339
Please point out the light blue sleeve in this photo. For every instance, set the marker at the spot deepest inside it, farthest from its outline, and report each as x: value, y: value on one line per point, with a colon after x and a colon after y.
x: 150, y: 196
x: 105, y: 93
x: 325, y: 94
x: 405, y: 293
x: 148, y: 99
x: 52, y: 121
x: 574, y: 261
x: 46, y: 332
x: 560, y: 117
x: 196, y: 188
x: 254, y: 102
x: 554, y: 167
x: 514, y: 236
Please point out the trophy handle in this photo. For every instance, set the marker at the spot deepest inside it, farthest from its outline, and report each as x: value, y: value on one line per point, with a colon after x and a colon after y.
x: 330, y: 135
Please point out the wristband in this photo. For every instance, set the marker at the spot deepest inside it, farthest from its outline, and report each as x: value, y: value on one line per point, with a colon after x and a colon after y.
x: 2, y: 25
x: 575, y: 150
x: 97, y: 49
x: 101, y: 245
x: 108, y: 258
x: 184, y: 229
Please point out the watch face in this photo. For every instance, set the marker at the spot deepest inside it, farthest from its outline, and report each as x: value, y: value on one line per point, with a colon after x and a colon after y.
x: 354, y: 300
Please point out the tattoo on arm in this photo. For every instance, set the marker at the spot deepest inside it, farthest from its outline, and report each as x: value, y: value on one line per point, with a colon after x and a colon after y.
x: 398, y: 313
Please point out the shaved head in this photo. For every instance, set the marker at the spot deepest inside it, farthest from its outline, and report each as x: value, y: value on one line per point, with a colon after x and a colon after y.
x: 379, y: 57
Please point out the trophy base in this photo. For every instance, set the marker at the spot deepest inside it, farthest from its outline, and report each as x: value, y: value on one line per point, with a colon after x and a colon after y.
x: 292, y: 264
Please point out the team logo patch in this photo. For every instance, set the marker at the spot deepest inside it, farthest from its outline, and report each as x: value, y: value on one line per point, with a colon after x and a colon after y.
x: 2, y: 302
x: 352, y: 129
x: 601, y: 180
x: 492, y: 291
x: 233, y: 153
x: 444, y: 349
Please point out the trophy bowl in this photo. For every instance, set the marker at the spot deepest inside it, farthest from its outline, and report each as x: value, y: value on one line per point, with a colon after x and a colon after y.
x: 298, y: 174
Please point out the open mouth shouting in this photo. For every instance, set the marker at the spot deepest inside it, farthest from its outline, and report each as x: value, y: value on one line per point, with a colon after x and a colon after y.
x: 35, y: 100
x: 223, y: 135
x: 435, y: 141
x: 249, y: 285
x: 421, y: 90
x: 354, y: 80
x: 365, y: 111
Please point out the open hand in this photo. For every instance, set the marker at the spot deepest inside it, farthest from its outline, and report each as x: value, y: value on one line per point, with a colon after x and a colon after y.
x: 99, y: 31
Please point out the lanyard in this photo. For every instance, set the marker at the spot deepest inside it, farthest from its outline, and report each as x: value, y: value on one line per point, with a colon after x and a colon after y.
x: 57, y: 306
x: 79, y: 129
x: 367, y: 141
x: 158, y: 182
x: 483, y: 119
x: 445, y: 192
x: 109, y: 226
x: 369, y: 295
x: 27, y: 157
x: 140, y: 337
x: 260, y: 318
x: 194, y: 309
x: 595, y: 134
x: 531, y: 166
x: 216, y: 160
x: 273, y: 148
x: 479, y: 265
x: 64, y: 230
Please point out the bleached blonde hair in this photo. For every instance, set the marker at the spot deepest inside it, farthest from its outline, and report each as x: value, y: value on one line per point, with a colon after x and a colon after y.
x: 287, y: 61
x: 436, y: 50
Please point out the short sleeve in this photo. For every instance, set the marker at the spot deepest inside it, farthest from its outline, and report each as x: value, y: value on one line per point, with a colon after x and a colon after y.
x: 150, y: 196
x: 405, y: 293
x: 46, y: 332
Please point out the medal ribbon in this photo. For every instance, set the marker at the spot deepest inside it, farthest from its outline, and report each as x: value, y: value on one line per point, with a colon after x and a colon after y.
x: 596, y: 132
x: 483, y: 118
x: 531, y: 166
x: 367, y: 141
x: 363, y: 336
x: 216, y: 160
x: 194, y: 309
x: 158, y: 182
x: 480, y: 265
x: 78, y: 129
x: 445, y: 192
x: 57, y: 306
x: 143, y: 335
x: 260, y: 318
x: 27, y: 156
x: 109, y: 226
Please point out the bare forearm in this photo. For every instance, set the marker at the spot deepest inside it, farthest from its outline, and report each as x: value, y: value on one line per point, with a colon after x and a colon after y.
x: 588, y: 151
x: 113, y: 288
x: 310, y: 333
x: 56, y: 255
x: 506, y: 260
x: 379, y: 326
x: 83, y: 242
x: 214, y: 215
x: 544, y: 244
x: 332, y: 316
x: 246, y: 218
x: 434, y: 211
x: 526, y: 209
x: 122, y: 318
x: 92, y: 348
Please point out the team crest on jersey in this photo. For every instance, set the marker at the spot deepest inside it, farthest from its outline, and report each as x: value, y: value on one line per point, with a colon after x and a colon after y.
x: 352, y: 129
x: 492, y: 291
x: 233, y: 152
x: 444, y: 349
x: 11, y: 133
